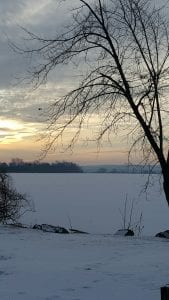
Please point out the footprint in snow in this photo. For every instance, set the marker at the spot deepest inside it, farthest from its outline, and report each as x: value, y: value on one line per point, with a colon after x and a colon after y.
x: 2, y: 257
x: 3, y: 273
x: 22, y: 293
x: 54, y: 297
x: 86, y: 287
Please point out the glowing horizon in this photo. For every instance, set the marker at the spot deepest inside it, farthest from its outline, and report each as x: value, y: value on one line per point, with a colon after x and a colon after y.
x: 21, y: 121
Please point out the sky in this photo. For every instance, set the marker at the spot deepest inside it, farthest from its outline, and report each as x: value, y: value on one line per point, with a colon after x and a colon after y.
x: 21, y: 121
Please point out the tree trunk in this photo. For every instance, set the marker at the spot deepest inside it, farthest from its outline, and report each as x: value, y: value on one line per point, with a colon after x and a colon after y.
x: 165, y: 293
x: 166, y: 188
x: 165, y: 172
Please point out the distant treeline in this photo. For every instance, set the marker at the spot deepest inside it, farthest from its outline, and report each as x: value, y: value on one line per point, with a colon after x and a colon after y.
x: 19, y: 166
x: 123, y: 169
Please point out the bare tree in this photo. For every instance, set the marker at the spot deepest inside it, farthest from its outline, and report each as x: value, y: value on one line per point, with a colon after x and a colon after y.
x: 125, y: 46
x: 12, y: 203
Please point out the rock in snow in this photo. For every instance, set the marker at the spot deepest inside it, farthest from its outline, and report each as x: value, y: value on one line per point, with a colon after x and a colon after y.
x: 50, y: 228
x: 163, y: 234
x: 125, y: 232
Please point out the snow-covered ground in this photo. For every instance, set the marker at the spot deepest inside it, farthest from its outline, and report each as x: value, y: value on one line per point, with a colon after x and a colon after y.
x: 46, y: 266
x: 36, y: 265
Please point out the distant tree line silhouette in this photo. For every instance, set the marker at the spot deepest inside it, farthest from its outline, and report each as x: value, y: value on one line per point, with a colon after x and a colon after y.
x: 17, y: 165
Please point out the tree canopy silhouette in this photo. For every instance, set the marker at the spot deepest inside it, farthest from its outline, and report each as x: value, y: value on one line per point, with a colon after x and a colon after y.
x: 125, y: 46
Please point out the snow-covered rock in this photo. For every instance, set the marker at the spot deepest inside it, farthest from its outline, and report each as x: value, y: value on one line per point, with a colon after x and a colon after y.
x: 124, y: 232
x: 163, y: 234
x: 50, y: 228
x: 36, y: 226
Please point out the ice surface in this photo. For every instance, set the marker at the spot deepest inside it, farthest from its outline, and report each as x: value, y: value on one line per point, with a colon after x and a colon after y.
x: 92, y: 201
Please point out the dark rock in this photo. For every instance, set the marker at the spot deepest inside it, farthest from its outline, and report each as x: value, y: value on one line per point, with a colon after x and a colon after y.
x: 77, y: 231
x: 59, y: 229
x: 50, y: 228
x: 125, y: 232
x: 36, y: 226
x: 163, y: 234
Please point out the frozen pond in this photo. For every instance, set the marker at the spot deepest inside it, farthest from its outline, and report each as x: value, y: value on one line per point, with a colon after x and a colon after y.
x: 92, y: 201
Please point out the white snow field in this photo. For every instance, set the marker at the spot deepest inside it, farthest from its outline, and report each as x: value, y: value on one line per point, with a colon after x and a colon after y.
x: 36, y: 265
x: 46, y: 266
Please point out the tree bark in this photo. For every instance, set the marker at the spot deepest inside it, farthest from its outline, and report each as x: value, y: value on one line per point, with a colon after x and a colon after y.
x: 165, y: 293
x: 166, y: 188
x: 165, y: 172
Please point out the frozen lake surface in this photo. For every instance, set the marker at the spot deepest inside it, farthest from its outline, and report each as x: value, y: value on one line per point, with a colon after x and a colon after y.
x: 92, y: 201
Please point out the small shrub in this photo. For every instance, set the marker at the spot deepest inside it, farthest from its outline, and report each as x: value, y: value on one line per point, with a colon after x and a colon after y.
x: 127, y: 216
x: 12, y: 203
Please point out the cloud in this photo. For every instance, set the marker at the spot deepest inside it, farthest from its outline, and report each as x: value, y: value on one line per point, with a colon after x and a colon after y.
x: 28, y: 105
x: 12, y: 130
x: 44, y: 17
